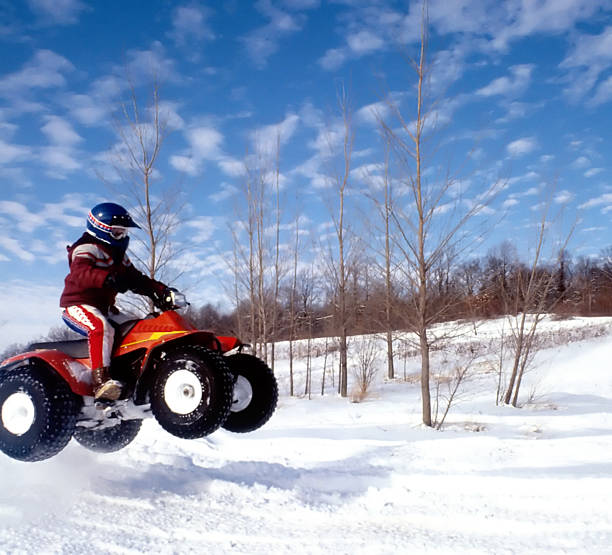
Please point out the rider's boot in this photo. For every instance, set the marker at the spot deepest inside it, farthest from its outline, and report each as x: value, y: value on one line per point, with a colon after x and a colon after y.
x: 104, y: 387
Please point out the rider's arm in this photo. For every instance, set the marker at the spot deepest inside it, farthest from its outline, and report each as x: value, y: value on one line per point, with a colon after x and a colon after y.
x: 89, y: 266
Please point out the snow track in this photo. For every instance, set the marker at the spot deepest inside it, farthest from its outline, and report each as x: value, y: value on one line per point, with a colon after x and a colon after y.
x: 328, y: 476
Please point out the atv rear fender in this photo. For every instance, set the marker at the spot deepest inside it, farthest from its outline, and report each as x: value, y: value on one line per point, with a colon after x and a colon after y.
x: 76, y: 373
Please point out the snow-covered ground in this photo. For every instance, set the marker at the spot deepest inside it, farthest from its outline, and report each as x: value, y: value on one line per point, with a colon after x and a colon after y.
x: 329, y: 476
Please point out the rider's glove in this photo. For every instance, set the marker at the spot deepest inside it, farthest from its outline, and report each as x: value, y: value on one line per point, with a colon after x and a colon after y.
x: 164, y: 299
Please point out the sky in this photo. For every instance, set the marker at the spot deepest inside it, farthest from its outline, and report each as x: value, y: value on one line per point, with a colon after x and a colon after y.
x: 523, y: 91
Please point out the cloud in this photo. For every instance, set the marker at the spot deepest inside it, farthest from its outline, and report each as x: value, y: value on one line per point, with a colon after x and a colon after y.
x: 590, y: 56
x: 604, y: 199
x: 205, y: 144
x: 190, y: 24
x: 603, y: 93
x: 265, y: 138
x: 593, y: 172
x: 527, y: 18
x: 60, y: 132
x: 509, y: 86
x: 204, y: 228
x: 521, y: 147
x: 59, y: 160
x: 146, y: 66
x: 225, y: 191
x: 87, y: 109
x: 563, y: 197
x: 57, y: 12
x: 364, y: 42
x: 371, y: 114
x: 11, y: 153
x: 581, y: 162
x: 45, y: 70
x: 264, y: 42
x: 333, y: 59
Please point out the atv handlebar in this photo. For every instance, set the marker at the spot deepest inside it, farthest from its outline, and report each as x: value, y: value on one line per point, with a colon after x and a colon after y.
x: 170, y: 299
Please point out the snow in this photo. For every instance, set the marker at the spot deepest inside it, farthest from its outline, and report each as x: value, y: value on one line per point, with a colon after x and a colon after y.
x: 330, y: 476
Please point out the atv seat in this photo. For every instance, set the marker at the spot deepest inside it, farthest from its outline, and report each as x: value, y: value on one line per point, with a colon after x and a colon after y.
x: 78, y: 348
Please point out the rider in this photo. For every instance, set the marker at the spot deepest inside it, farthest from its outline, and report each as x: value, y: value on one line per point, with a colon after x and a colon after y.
x: 99, y: 269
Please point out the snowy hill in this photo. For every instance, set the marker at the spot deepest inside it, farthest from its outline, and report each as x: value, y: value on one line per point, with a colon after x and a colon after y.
x: 330, y: 476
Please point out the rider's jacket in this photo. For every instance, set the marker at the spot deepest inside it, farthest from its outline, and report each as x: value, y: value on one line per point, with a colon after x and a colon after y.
x: 91, y: 261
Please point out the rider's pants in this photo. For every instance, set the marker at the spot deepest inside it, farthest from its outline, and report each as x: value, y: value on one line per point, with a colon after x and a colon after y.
x: 89, y: 321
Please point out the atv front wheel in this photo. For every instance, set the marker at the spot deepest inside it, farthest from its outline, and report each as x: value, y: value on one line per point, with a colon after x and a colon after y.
x: 38, y: 413
x: 108, y: 440
x: 192, y: 392
x: 255, y: 393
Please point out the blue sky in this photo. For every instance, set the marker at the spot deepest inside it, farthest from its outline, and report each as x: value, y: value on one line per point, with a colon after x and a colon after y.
x: 526, y: 84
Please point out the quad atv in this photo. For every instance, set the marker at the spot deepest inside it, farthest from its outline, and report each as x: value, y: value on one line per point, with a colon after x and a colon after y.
x: 191, y: 381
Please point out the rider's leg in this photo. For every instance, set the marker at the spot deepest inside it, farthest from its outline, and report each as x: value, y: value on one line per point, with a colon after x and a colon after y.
x: 88, y: 320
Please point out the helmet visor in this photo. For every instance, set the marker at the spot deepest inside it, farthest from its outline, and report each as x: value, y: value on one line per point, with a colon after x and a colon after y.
x: 118, y: 232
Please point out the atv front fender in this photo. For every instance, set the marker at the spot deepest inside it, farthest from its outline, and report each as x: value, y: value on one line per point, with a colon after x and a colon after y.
x: 169, y: 343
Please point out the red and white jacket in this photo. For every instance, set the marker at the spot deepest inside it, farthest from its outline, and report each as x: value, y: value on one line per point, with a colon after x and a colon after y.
x: 91, y: 261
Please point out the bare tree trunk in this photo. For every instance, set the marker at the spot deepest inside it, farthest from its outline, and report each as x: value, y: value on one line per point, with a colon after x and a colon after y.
x: 388, y: 282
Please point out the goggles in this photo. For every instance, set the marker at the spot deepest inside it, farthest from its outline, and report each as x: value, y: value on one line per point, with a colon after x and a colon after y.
x: 118, y: 232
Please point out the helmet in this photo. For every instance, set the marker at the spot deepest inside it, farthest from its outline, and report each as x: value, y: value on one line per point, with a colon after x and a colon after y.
x: 109, y: 222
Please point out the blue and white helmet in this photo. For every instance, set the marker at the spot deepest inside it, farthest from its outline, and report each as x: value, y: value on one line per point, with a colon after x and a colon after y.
x: 109, y: 222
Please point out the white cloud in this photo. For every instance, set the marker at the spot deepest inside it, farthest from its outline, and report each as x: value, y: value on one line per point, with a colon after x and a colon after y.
x: 527, y: 18
x: 521, y: 147
x: 510, y: 202
x: 563, y: 197
x: 603, y: 93
x: 45, y: 70
x: 10, y: 153
x: 190, y: 23
x: 145, y: 66
x: 169, y: 114
x: 581, y: 162
x: 593, y: 172
x: 605, y: 198
x: 373, y: 113
x: 364, y: 42
x: 263, y: 42
x: 60, y: 132
x: 225, y: 191
x: 333, y: 59
x: 204, y: 228
x: 86, y: 109
x: 509, y: 86
x: 205, y: 142
x: 590, y: 57
x: 232, y: 166
x: 186, y: 164
x: 265, y: 138
x: 60, y: 12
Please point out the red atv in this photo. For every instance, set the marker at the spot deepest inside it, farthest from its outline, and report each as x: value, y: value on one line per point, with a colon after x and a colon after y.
x: 191, y: 381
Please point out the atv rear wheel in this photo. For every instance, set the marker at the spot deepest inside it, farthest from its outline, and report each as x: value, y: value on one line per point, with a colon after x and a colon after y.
x: 108, y: 440
x: 38, y: 413
x: 255, y: 393
x: 192, y: 392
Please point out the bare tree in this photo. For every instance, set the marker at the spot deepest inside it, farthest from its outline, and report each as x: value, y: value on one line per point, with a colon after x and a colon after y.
x: 534, y: 297
x: 366, y: 367
x: 141, y: 130
x: 339, y: 269
x: 431, y: 227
